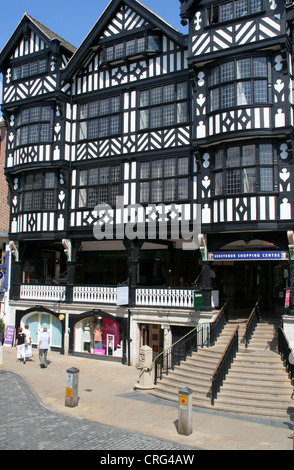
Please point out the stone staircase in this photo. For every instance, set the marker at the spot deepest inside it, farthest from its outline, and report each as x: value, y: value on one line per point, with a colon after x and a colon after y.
x: 257, y: 384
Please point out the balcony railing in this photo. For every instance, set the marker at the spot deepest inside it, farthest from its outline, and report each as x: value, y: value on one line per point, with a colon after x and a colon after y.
x: 145, y: 297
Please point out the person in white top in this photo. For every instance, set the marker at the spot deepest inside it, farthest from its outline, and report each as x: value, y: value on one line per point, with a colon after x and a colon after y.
x: 28, y: 346
x: 43, y: 348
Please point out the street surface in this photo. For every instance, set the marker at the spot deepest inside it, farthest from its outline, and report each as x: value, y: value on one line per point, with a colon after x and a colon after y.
x: 27, y: 425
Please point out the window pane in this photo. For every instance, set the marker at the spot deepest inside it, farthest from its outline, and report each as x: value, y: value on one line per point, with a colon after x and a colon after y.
x: 34, y: 134
x: 256, y: 5
x: 83, y: 130
x: 156, y: 191
x: 170, y: 190
x: 50, y: 180
x: 114, y: 125
x: 115, y: 174
x: 119, y: 51
x: 84, y: 111
x: 83, y: 178
x: 228, y: 96
x: 144, y: 98
x: 131, y: 47
x: 103, y: 127
x: 170, y: 167
x: 145, y: 170
x: 233, y: 181
x: 93, y: 176
x: 49, y: 200
x: 218, y: 190
x: 248, y: 155
x: 144, y: 192
x: 243, y: 68
x: 141, y: 45
x: 214, y: 99
x: 144, y: 119
x: 157, y: 169
x: 104, y: 107
x: 244, y: 93
x: 168, y: 93
x: 241, y: 8
x: 266, y: 179
x: 228, y: 72
x: 83, y: 197
x: 249, y: 180
x: 182, y: 91
x: 156, y: 117
x: 45, y: 132
x: 94, y: 109
x: 93, y: 129
x: 37, y: 200
x: 265, y: 154
x: 156, y: 96
x: 104, y: 175
x: 115, y: 104
x: 92, y: 196
x: 183, y: 188
x: 260, y: 91
x: 182, y: 115
x: 260, y: 67
x: 183, y: 166
x: 233, y: 157
x: 226, y: 11
x: 35, y: 114
x: 219, y: 159
x: 168, y: 115
x: 28, y: 201
x: 46, y: 113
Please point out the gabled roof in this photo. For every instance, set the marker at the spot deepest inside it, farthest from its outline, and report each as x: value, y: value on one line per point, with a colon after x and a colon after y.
x: 113, y: 7
x: 29, y: 23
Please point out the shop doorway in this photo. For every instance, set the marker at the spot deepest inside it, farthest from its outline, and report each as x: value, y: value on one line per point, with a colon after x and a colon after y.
x: 243, y: 283
x: 152, y: 336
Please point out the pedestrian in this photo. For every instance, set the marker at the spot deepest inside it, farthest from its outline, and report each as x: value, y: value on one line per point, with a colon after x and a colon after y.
x: 43, y: 348
x: 28, y: 346
x: 20, y: 342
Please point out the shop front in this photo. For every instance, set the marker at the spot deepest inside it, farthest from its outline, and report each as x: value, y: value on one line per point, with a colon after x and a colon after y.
x: 37, y: 318
x: 98, y: 335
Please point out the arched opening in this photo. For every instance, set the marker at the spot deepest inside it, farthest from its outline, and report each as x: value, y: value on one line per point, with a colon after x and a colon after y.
x: 99, y: 335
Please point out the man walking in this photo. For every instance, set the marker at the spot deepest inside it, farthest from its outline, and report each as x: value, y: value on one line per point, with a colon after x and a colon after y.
x: 43, y: 348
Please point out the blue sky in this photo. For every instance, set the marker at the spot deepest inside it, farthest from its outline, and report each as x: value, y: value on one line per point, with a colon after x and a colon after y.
x: 73, y: 19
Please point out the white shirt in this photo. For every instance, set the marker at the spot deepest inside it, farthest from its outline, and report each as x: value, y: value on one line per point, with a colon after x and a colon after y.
x: 44, y: 340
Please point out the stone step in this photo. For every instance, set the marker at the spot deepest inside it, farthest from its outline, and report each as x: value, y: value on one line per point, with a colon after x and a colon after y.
x: 257, y: 383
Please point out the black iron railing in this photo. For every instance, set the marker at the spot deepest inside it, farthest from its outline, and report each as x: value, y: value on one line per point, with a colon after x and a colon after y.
x: 224, y: 365
x: 286, y: 354
x: 253, y: 320
x: 203, y: 335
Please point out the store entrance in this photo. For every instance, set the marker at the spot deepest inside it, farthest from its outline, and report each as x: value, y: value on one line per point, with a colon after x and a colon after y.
x: 243, y: 283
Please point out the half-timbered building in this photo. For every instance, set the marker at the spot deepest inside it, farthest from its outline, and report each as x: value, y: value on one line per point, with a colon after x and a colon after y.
x: 119, y: 150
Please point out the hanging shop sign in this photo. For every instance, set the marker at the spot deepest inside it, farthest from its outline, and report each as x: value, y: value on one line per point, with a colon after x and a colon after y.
x: 249, y: 256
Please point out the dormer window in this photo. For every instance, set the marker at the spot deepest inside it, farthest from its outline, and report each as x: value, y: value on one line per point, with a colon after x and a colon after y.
x: 149, y: 44
x: 231, y: 10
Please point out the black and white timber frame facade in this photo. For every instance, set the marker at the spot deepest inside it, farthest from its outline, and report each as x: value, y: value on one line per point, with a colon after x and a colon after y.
x: 141, y: 111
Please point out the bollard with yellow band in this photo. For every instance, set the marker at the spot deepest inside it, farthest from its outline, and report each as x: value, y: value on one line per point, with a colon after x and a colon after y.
x: 72, y: 385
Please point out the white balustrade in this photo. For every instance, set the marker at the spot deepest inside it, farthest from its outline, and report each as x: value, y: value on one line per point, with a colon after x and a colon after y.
x: 42, y: 292
x: 177, y: 298
x: 104, y: 295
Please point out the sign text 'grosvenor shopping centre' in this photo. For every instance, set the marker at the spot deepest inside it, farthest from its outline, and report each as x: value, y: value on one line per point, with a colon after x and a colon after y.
x: 249, y: 256
x: 155, y: 221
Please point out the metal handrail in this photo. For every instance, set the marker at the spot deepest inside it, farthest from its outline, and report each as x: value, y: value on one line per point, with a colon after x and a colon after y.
x: 204, y: 334
x: 252, y: 322
x: 286, y: 353
x: 224, y: 364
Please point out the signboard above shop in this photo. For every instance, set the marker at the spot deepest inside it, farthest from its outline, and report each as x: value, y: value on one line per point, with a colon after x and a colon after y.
x: 249, y: 256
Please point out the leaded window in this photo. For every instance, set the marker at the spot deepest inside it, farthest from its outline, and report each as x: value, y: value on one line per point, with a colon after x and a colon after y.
x: 244, y: 169
x: 240, y: 82
x: 100, y: 118
x: 230, y: 10
x: 163, y: 106
x: 164, y: 180
x: 100, y: 185
x: 33, y: 125
x: 38, y: 191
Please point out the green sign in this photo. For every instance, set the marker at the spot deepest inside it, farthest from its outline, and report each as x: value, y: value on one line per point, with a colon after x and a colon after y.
x: 198, y: 301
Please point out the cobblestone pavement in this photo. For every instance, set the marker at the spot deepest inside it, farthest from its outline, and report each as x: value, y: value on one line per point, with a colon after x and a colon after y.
x: 27, y: 425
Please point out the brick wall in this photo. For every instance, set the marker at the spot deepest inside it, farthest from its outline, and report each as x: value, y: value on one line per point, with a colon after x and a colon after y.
x: 4, y: 207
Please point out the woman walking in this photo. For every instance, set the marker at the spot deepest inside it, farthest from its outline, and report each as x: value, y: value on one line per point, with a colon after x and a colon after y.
x: 20, y: 344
